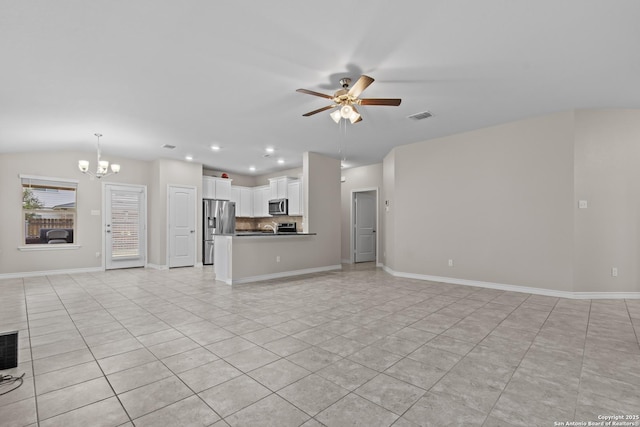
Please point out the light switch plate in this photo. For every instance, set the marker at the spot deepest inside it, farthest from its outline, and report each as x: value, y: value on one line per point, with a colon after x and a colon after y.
x: 95, y: 212
x: 582, y: 204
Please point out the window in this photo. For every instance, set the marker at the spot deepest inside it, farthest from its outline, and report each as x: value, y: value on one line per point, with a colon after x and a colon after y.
x: 48, y: 210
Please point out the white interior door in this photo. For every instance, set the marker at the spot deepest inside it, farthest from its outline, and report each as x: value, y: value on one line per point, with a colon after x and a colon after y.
x: 125, y: 226
x: 182, y: 226
x: 364, y: 205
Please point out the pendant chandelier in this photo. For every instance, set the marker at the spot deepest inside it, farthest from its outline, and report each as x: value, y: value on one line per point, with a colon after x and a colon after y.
x: 103, y: 165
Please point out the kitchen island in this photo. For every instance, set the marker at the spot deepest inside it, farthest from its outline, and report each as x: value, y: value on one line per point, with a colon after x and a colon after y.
x: 254, y: 256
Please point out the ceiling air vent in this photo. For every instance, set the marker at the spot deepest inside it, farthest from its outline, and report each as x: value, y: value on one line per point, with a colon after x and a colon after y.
x: 169, y: 146
x: 420, y: 116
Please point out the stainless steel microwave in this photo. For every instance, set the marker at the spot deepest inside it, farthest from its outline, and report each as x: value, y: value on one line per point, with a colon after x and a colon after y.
x: 279, y: 207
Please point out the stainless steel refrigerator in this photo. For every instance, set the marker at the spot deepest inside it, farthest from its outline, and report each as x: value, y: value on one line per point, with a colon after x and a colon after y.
x: 219, y: 217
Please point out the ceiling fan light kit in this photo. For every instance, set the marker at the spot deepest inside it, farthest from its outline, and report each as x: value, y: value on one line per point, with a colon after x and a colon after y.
x: 347, y: 99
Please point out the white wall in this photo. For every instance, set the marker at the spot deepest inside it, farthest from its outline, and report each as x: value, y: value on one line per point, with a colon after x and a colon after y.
x: 155, y: 175
x: 88, y: 235
x: 322, y: 205
x: 171, y: 172
x: 502, y: 202
x: 607, y: 176
x: 498, y: 201
x: 387, y: 241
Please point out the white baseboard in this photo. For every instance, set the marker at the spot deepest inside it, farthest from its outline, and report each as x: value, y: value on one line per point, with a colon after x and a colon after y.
x: 516, y: 288
x: 50, y: 272
x: 282, y: 274
x: 157, y: 266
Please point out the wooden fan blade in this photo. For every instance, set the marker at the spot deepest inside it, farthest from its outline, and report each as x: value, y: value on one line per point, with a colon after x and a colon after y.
x: 310, y: 92
x: 362, y: 83
x: 380, y: 101
x: 319, y: 110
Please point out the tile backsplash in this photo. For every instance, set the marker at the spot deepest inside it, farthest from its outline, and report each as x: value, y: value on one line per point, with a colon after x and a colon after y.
x: 250, y: 224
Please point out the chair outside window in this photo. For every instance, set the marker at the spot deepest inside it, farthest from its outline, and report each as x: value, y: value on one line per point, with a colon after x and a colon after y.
x: 57, y: 236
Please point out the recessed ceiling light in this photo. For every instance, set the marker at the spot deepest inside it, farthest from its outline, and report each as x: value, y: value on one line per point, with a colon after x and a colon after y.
x: 188, y: 158
x: 270, y: 149
x: 252, y: 168
x: 281, y: 161
x: 215, y: 147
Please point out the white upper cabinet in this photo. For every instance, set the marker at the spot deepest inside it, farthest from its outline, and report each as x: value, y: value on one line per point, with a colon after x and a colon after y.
x: 243, y: 196
x: 246, y: 202
x: 216, y: 188
x: 223, y: 189
x: 278, y: 187
x: 235, y: 197
x: 208, y: 188
x: 294, y: 192
x: 261, y: 201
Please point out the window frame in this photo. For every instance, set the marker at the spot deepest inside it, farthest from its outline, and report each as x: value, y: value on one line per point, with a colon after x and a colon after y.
x: 48, y: 182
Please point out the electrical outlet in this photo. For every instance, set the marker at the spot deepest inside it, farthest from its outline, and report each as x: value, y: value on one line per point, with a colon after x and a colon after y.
x: 450, y: 263
x: 582, y: 204
x: 277, y: 258
x: 97, y: 254
x: 614, y: 272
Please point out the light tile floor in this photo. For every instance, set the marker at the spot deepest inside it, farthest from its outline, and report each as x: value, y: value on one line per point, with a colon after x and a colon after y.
x: 352, y: 348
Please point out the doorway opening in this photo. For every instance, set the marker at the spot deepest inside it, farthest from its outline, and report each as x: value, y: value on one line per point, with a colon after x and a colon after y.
x: 125, y: 226
x: 181, y: 236
x: 364, y: 225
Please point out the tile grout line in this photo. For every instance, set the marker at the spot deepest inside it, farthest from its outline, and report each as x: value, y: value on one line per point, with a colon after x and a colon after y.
x: 519, y: 363
x: 90, y: 351
x: 33, y: 371
x: 156, y: 357
x: 584, y: 350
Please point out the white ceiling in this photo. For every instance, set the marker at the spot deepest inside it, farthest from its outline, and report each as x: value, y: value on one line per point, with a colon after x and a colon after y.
x: 195, y: 73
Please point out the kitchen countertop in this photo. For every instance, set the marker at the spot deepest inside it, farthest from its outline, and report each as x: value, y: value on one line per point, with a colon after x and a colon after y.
x: 268, y: 234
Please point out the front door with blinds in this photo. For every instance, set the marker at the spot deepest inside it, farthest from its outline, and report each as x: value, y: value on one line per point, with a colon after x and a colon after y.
x: 125, y: 226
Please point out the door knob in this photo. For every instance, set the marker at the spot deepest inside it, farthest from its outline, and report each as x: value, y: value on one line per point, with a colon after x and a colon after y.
x: 192, y: 231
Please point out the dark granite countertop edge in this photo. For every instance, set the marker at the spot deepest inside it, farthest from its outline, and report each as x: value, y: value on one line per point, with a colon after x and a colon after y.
x: 260, y: 234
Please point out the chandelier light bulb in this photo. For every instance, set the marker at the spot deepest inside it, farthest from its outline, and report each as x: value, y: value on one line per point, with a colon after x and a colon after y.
x: 346, y: 111
x: 102, y: 169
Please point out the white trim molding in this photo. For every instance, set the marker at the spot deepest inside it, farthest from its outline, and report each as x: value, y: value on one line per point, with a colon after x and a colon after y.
x: 56, y: 247
x: 156, y: 266
x: 51, y: 272
x: 515, y: 288
x: 282, y: 274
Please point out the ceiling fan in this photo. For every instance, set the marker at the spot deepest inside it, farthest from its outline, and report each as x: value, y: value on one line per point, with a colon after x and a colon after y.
x: 347, y: 99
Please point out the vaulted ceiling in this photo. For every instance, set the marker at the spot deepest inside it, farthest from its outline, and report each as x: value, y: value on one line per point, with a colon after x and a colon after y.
x: 197, y: 73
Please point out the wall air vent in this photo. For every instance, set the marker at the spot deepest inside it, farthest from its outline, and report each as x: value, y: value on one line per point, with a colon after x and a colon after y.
x: 8, y: 350
x: 169, y: 146
x: 420, y: 116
